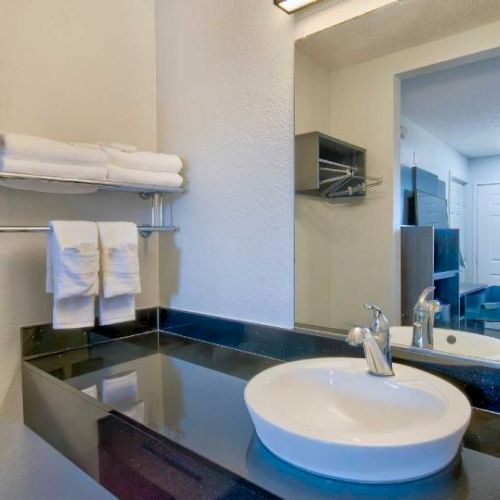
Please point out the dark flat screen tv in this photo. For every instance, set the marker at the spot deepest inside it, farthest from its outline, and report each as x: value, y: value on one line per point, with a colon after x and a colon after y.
x: 430, y: 210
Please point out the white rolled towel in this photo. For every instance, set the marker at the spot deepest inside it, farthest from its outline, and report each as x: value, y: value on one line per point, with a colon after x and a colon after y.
x: 143, y: 178
x: 144, y: 160
x: 36, y: 168
x: 126, y: 148
x: 49, y: 169
x: 31, y: 148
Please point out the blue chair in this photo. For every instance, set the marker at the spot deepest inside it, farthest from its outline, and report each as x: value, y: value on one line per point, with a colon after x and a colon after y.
x: 484, y: 305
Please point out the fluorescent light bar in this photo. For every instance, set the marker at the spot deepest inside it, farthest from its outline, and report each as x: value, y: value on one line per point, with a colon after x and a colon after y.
x: 292, y: 6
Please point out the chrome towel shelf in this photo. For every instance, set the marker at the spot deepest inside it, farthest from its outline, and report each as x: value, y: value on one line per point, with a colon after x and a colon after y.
x: 147, y: 230
x: 153, y: 193
x: 101, y: 185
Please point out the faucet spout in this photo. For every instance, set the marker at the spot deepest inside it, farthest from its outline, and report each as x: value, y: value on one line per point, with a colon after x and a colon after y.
x: 376, y: 343
x: 424, y: 314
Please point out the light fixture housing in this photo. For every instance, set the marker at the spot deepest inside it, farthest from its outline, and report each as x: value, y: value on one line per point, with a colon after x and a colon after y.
x: 292, y: 6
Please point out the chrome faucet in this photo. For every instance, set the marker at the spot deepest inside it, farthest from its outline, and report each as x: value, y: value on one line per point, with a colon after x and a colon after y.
x: 376, y: 343
x: 424, y: 313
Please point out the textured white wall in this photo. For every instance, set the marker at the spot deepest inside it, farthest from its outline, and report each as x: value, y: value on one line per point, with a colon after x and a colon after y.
x: 484, y: 170
x: 362, y: 246
x: 431, y: 153
x: 226, y: 106
x: 81, y: 70
x: 312, y: 95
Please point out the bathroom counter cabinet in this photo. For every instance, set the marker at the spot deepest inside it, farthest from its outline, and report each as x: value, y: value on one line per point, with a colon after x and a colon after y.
x: 197, y: 439
x: 32, y: 469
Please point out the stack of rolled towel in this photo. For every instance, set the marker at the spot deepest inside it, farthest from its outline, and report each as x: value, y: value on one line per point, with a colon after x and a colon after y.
x: 120, y: 163
x: 37, y: 156
x: 142, y: 167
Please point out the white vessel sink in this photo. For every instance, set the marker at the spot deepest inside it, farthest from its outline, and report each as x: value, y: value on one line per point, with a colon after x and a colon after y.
x: 453, y: 342
x: 330, y: 417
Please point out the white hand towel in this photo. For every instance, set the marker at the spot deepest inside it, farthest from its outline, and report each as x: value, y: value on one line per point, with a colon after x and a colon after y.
x: 72, y: 272
x: 144, y: 160
x: 120, y: 388
x: 76, y: 312
x: 135, y: 410
x: 72, y: 259
x: 91, y: 391
x: 118, y: 309
x: 119, y: 247
x: 141, y: 177
x: 26, y: 147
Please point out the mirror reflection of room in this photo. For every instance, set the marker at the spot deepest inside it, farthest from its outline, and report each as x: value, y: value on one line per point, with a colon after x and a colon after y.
x: 397, y: 173
x: 450, y: 185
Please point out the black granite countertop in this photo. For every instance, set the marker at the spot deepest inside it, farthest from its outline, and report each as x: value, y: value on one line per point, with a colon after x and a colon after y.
x: 200, y: 387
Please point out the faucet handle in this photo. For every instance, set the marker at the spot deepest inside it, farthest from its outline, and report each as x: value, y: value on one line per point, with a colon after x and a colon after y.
x: 357, y: 334
x: 380, y: 323
x: 435, y: 306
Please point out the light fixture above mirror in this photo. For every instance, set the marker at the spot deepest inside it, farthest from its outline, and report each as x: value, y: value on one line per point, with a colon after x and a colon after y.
x: 291, y: 6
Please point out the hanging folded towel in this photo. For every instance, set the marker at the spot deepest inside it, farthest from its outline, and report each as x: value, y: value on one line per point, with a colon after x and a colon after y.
x: 26, y: 147
x: 143, y: 160
x: 91, y: 391
x: 119, y: 309
x: 142, y: 177
x: 135, y: 410
x: 122, y: 392
x: 72, y: 272
x: 120, y: 388
x: 119, y: 247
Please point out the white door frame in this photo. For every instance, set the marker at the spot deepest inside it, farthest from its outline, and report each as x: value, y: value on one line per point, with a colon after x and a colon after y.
x: 453, y: 178
x: 476, y: 225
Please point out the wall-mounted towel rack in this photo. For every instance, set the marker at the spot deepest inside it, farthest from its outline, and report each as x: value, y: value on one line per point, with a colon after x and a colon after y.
x: 153, y: 193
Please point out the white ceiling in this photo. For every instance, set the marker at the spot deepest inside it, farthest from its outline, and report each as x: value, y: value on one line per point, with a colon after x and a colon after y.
x: 396, y: 27
x: 460, y: 105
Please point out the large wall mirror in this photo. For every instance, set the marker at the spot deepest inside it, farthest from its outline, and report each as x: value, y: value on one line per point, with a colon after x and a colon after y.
x: 397, y: 176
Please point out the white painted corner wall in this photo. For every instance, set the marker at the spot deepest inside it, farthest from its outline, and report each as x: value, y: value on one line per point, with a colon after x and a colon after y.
x: 225, y: 104
x: 312, y: 95
x: 85, y: 71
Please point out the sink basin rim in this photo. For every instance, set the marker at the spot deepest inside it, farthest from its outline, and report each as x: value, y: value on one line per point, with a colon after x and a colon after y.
x: 446, y: 425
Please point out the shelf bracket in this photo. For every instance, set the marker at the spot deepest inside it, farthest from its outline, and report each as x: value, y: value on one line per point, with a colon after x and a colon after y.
x: 157, y: 222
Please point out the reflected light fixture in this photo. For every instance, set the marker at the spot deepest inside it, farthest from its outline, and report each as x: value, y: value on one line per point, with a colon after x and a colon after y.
x: 291, y: 6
